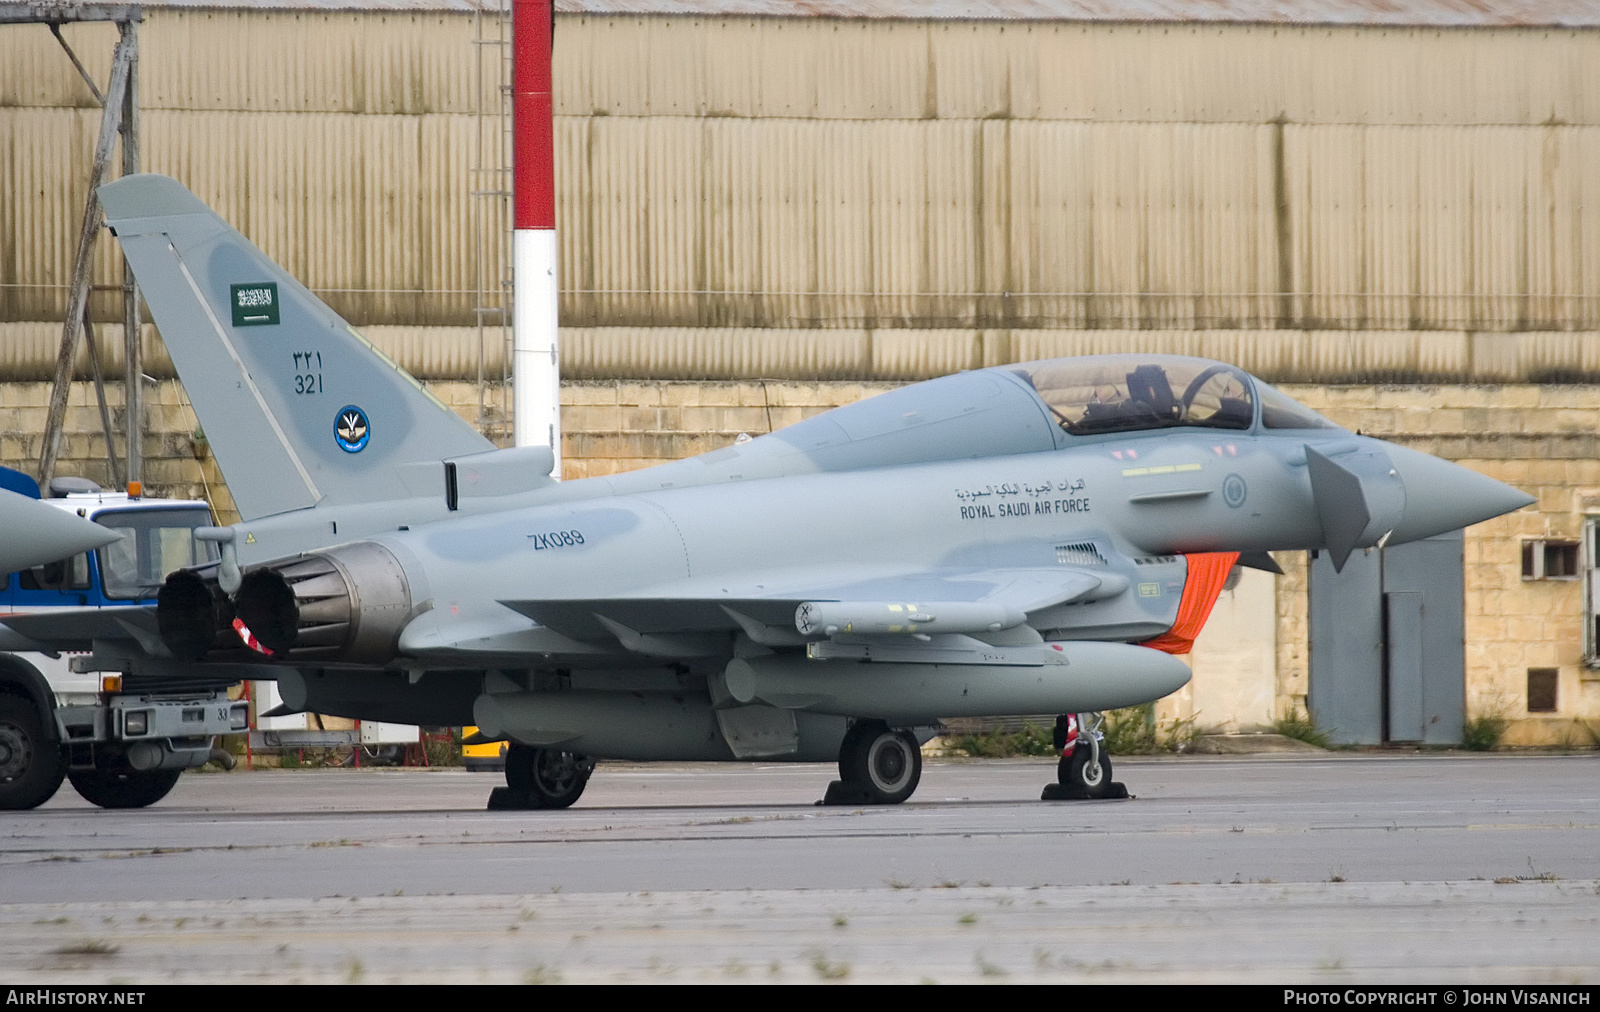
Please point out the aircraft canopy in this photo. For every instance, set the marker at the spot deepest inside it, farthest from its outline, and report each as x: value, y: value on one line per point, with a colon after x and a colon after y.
x: 1130, y: 393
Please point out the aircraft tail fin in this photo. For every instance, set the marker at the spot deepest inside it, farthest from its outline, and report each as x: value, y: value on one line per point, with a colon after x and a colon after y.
x: 298, y: 407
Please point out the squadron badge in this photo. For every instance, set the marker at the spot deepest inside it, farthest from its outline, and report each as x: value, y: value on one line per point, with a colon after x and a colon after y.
x: 350, y: 429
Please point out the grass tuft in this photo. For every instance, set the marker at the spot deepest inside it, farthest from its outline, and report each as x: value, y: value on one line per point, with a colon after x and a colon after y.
x: 1031, y: 740
x: 1300, y: 728
x: 1135, y: 731
x: 1483, y: 733
x: 89, y: 947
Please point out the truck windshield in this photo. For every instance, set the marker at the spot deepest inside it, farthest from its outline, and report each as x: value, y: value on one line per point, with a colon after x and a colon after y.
x: 154, y: 543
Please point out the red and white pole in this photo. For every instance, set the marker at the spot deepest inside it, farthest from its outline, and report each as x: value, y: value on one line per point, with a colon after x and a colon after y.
x: 535, y: 345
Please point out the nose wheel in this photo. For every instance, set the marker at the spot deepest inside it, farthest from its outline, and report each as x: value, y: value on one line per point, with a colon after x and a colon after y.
x: 1084, y: 770
x: 878, y: 765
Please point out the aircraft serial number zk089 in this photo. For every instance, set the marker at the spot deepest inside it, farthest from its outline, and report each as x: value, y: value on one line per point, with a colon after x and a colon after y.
x: 556, y: 539
x: 806, y: 595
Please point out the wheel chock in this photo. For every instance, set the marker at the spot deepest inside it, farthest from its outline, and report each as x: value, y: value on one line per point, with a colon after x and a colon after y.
x: 504, y: 799
x: 1062, y: 792
x: 1057, y: 791
x: 843, y: 792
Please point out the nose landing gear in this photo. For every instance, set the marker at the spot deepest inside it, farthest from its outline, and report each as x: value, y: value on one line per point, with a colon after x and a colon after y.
x: 1084, y: 771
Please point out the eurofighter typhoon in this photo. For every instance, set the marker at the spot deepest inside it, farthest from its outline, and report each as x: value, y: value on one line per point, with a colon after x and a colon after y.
x: 1036, y: 538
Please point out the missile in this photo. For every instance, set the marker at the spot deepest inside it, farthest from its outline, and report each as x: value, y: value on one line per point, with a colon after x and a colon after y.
x: 829, y: 618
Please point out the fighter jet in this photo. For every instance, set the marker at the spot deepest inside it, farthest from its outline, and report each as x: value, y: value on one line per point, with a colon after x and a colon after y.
x: 33, y: 533
x: 1045, y: 537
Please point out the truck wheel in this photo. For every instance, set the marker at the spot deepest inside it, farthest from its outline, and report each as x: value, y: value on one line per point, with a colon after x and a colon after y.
x: 31, y: 765
x: 123, y: 788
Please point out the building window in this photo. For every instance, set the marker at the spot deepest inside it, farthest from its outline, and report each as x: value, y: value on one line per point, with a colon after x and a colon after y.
x: 1591, y: 593
x: 1542, y: 690
x: 1550, y: 560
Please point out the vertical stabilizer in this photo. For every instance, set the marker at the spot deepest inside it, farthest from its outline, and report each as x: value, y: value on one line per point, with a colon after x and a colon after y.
x: 298, y: 407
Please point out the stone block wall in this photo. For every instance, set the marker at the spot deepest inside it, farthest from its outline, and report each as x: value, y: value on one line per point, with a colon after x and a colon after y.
x: 1544, y: 440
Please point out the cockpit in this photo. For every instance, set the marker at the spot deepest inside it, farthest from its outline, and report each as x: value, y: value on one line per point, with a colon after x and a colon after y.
x: 1131, y: 393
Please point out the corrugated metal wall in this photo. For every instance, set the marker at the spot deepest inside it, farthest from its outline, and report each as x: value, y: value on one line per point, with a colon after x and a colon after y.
x: 340, y: 143
x: 767, y: 177
x: 872, y: 70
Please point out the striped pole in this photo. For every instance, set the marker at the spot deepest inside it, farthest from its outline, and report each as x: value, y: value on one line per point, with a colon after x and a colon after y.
x: 535, y: 356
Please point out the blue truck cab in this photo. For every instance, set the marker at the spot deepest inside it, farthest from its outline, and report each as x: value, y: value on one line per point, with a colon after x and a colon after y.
x: 121, y: 742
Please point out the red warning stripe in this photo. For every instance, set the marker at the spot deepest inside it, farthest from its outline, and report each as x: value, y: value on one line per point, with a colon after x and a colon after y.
x: 1207, y: 573
x: 250, y: 637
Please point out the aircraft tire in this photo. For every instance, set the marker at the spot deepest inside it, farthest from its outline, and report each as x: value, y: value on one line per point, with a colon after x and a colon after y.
x: 31, y: 766
x: 123, y: 788
x: 884, y: 764
x: 1082, y: 780
x: 851, y: 749
x: 548, y: 778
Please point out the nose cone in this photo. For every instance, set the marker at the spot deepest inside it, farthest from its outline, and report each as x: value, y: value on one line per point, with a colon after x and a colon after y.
x: 1441, y: 496
x: 33, y: 533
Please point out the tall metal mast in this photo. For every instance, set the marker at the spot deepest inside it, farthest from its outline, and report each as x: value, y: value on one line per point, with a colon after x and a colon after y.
x: 536, y: 363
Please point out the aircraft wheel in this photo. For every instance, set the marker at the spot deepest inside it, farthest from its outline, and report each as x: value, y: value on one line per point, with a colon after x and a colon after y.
x: 1086, y: 773
x: 885, y: 764
x: 547, y: 777
x: 125, y: 787
x: 851, y: 749
x: 31, y: 766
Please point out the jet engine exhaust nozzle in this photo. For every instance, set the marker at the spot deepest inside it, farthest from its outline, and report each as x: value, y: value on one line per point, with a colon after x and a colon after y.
x: 343, y: 604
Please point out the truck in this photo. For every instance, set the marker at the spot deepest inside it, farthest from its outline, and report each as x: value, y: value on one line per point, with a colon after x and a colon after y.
x: 120, y: 738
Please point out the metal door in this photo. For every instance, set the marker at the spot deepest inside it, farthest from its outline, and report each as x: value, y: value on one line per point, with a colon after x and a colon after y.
x: 1346, y: 690
x: 1402, y: 669
x: 1388, y: 657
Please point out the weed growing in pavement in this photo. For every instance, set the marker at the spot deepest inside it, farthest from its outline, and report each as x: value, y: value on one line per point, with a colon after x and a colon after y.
x: 1131, y: 731
x: 1135, y: 731
x: 1483, y: 732
x: 1300, y: 728
x: 89, y: 947
x: 1031, y: 740
x: 827, y: 970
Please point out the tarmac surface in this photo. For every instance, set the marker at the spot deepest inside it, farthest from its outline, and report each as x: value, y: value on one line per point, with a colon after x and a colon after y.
x: 1325, y: 869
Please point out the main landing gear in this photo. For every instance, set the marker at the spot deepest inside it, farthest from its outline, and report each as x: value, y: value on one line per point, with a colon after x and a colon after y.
x: 1084, y: 771
x: 878, y: 765
x: 541, y: 778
